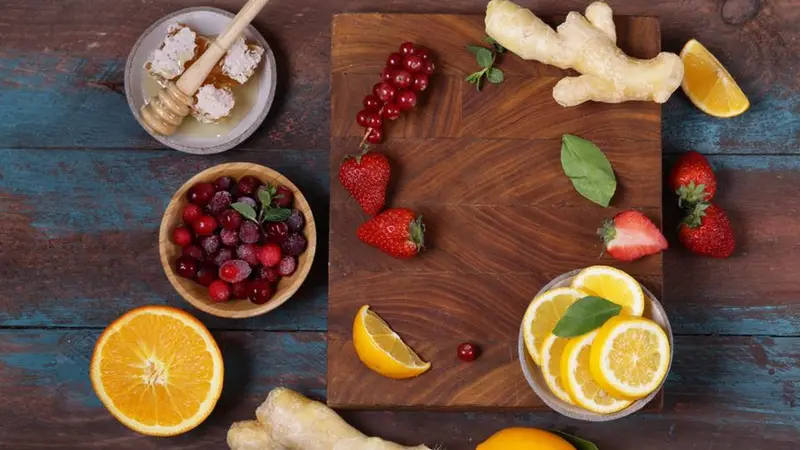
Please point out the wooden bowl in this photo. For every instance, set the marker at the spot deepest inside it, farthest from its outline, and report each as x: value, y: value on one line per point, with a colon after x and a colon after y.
x: 196, y: 294
x: 533, y: 374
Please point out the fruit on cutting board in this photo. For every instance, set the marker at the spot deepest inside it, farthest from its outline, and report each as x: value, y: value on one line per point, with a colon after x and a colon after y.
x: 630, y: 235
x: 525, y: 439
x: 709, y: 85
x: 630, y: 357
x: 542, y: 315
x: 398, y: 232
x: 157, y: 370
x: 614, y: 285
x: 552, y: 351
x: 692, y: 179
x: 706, y: 230
x: 382, y: 350
x: 366, y: 178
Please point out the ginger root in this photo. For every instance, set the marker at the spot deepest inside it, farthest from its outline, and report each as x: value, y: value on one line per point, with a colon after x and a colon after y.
x: 588, y: 45
x: 290, y: 421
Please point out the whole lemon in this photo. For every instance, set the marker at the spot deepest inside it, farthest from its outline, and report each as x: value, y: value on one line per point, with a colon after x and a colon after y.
x: 525, y: 439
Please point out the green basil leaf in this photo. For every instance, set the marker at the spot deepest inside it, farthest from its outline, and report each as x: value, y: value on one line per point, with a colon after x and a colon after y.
x: 585, y: 315
x: 474, y: 49
x: 265, y: 198
x: 245, y: 210
x: 277, y: 214
x: 588, y: 168
x: 578, y: 443
x: 494, y: 75
x: 485, y: 57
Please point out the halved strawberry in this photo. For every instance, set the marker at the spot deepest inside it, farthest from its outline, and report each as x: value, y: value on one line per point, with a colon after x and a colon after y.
x: 630, y: 235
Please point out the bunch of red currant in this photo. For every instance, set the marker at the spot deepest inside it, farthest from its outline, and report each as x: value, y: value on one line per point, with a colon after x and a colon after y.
x: 405, y: 74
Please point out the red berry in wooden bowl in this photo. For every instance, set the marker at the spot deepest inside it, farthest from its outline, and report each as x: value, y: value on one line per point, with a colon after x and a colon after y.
x: 200, y: 194
x: 294, y: 245
x: 296, y: 221
x: 240, y: 290
x: 230, y: 238
x: 247, y: 201
x: 249, y: 233
x: 186, y: 267
x: 225, y: 254
x: 193, y: 251
x: 219, y: 202
x: 269, y: 254
x: 182, y: 236
x: 210, y: 244
x: 468, y: 352
x: 234, y: 271
x: 224, y: 183
x: 283, y: 197
x: 206, y: 275
x: 205, y: 225
x: 287, y: 266
x: 191, y: 213
x: 219, y: 291
x: 248, y: 185
x: 260, y: 291
x: 277, y: 232
x: 249, y: 253
x: 269, y: 273
x: 230, y: 219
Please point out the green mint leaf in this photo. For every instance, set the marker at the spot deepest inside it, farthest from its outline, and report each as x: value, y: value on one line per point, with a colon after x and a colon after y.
x: 489, y: 40
x: 588, y: 168
x: 265, y: 198
x: 494, y: 75
x: 245, y: 210
x: 497, y: 47
x: 578, y: 443
x: 485, y: 57
x: 474, y: 49
x: 277, y: 214
x: 585, y: 315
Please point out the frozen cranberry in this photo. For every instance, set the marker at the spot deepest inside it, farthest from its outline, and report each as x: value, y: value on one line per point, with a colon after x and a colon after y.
x: 296, y: 221
x: 270, y: 254
x: 219, y: 291
x: 200, y: 194
x: 283, y: 197
x: 186, y: 266
x: 277, y: 232
x: 268, y: 273
x: 240, y: 290
x: 191, y: 213
x: 468, y: 352
x: 234, y: 271
x: 210, y: 244
x: 248, y: 185
x: 219, y: 202
x: 230, y: 219
x: 206, y: 275
x: 224, y: 184
x: 247, y: 201
x: 294, y: 245
x: 193, y: 251
x: 225, y: 254
x: 230, y: 238
x: 260, y: 291
x: 205, y: 225
x: 287, y: 266
x: 182, y: 236
x: 249, y: 253
x: 249, y: 233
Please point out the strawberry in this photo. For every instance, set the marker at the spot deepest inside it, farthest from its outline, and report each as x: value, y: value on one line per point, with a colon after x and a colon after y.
x: 707, y: 231
x: 693, y: 179
x: 630, y: 235
x: 366, y: 177
x: 397, y: 232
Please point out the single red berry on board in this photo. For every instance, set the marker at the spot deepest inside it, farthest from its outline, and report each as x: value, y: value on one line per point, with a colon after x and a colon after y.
x: 283, y: 197
x: 398, y: 232
x: 374, y: 120
x: 366, y: 177
x: 413, y: 63
x: 395, y: 60
x: 693, y: 179
x: 361, y: 118
x: 193, y: 251
x: 204, y: 225
x: 269, y: 273
x: 375, y: 136
x: 287, y: 266
x: 260, y: 291
x: 206, y: 274
x: 372, y: 103
x: 248, y: 185
x: 420, y: 82
x: 240, y: 290
x: 468, y: 352
x: 630, y: 235
x: 277, y: 232
x: 182, y: 236
x: 429, y: 67
x: 219, y: 291
x: 186, y: 267
x: 191, y: 213
x: 383, y: 91
x: 200, y: 194
x: 401, y: 79
x: 407, y: 48
x: 270, y: 254
x: 406, y: 100
x: 391, y: 111
x: 230, y: 219
x: 234, y: 270
x: 224, y: 183
x: 708, y: 231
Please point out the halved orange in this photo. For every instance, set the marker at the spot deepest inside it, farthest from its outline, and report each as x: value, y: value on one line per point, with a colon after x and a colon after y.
x: 708, y: 84
x: 157, y: 370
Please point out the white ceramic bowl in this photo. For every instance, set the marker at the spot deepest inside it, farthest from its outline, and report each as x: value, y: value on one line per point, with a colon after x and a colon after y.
x: 533, y: 374
x: 206, y: 21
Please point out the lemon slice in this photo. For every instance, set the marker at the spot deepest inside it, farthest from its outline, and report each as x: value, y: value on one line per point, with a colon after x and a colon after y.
x: 613, y: 285
x: 578, y: 381
x: 542, y: 315
x: 630, y: 356
x: 552, y: 350
x: 708, y: 85
x: 382, y: 350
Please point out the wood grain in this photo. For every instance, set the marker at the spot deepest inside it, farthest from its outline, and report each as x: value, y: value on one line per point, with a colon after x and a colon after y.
x: 484, y: 170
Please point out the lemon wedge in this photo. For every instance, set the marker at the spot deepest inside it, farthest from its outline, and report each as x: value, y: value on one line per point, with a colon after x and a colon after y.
x: 709, y: 85
x: 382, y: 350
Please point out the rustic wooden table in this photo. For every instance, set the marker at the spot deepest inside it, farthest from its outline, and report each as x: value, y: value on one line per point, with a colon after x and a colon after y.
x: 82, y: 189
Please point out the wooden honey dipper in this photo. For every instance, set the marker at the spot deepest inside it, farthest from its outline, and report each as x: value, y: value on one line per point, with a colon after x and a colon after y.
x: 164, y: 113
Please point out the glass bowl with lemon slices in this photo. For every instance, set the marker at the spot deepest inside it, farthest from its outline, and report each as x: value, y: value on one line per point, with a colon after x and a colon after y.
x: 595, y: 345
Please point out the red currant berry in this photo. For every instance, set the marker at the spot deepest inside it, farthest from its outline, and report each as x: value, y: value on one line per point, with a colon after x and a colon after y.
x: 429, y: 67
x: 406, y: 100
x: 402, y: 79
x: 387, y: 75
x: 374, y: 120
x: 205, y: 225
x: 219, y: 291
x: 361, y: 117
x: 182, y: 236
x: 420, y: 82
x: 375, y: 136
x: 200, y: 194
x: 384, y: 92
x: 413, y: 63
x: 395, y: 60
x: 371, y: 103
x: 407, y: 48
x: 186, y: 267
x: 391, y: 111
x: 192, y: 213
x: 423, y: 53
x: 468, y: 352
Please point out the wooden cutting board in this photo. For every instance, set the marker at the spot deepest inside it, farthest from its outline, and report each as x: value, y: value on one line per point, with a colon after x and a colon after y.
x: 484, y: 170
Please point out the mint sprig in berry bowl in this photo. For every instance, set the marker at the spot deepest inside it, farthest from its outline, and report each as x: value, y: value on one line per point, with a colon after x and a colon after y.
x: 237, y: 240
